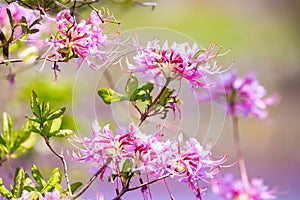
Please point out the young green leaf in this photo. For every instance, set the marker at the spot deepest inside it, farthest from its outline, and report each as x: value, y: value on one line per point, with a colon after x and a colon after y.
x: 62, y: 133
x: 131, y: 86
x: 37, y: 176
x: 56, y: 114
x: 11, y: 19
x: 54, y: 179
x: 24, y: 25
x: 126, y: 165
x: 29, y: 185
x: 142, y: 93
x: 6, y: 127
x: 45, y: 109
x: 75, y: 186
x: 32, y: 31
x: 18, y: 182
x: 108, y: 95
x: 2, y: 142
x: 4, y: 191
x: 35, y: 106
x: 56, y: 124
x: 35, y: 22
x: 25, y: 145
x: 163, y: 100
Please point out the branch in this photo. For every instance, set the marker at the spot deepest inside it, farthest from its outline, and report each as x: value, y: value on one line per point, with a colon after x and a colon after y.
x: 3, y: 160
x: 16, y: 60
x: 88, y: 184
x: 61, y: 157
x: 146, y: 114
x: 127, y: 189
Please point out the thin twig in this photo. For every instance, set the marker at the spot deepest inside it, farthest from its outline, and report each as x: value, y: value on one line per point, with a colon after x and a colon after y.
x: 127, y: 189
x: 61, y: 157
x: 146, y: 114
x: 88, y: 184
x: 16, y: 60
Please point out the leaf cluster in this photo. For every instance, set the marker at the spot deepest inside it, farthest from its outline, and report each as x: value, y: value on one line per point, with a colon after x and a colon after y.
x: 46, y: 122
x: 141, y: 96
x: 14, y: 143
x: 36, y: 186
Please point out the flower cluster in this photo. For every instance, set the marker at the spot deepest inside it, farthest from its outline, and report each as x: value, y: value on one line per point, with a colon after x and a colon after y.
x: 178, y: 61
x: 79, y: 40
x: 149, y: 154
x: 242, y: 96
x: 229, y: 189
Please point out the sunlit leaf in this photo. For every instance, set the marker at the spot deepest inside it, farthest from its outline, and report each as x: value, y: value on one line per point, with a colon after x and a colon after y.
x: 4, y: 191
x: 131, y: 86
x: 6, y: 127
x: 75, y: 186
x: 18, y: 182
x: 56, y: 114
x: 38, y: 176
x: 24, y: 25
x: 108, y: 95
x: 164, y: 98
x: 142, y: 93
x: 11, y: 19
x: 34, y: 105
x: 54, y: 179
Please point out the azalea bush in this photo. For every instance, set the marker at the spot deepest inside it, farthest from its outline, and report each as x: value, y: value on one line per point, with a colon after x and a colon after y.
x: 134, y: 156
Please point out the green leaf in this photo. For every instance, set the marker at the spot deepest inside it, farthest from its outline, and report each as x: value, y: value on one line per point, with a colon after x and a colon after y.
x: 143, y: 93
x: 29, y: 185
x: 131, y: 86
x: 11, y: 19
x: 46, y: 129
x: 56, y: 124
x: 35, y: 127
x: 75, y: 186
x: 35, y: 22
x: 18, y: 182
x: 6, y: 127
x: 56, y: 114
x: 54, y: 179
x: 4, y: 191
x: 32, y: 31
x: 45, y: 109
x: 126, y: 165
x: 164, y: 98
x: 2, y: 141
x: 62, y: 133
x: 108, y: 95
x: 24, y: 25
x: 38, y: 176
x: 35, y: 106
x: 25, y: 145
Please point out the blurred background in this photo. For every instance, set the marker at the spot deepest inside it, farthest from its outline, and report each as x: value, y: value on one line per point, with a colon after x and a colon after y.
x: 263, y: 36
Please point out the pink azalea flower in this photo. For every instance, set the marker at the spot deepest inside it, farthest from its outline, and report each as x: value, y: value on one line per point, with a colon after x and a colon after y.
x: 178, y: 61
x: 79, y: 40
x: 242, y: 96
x: 55, y: 195
x: 189, y: 163
x: 229, y: 189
